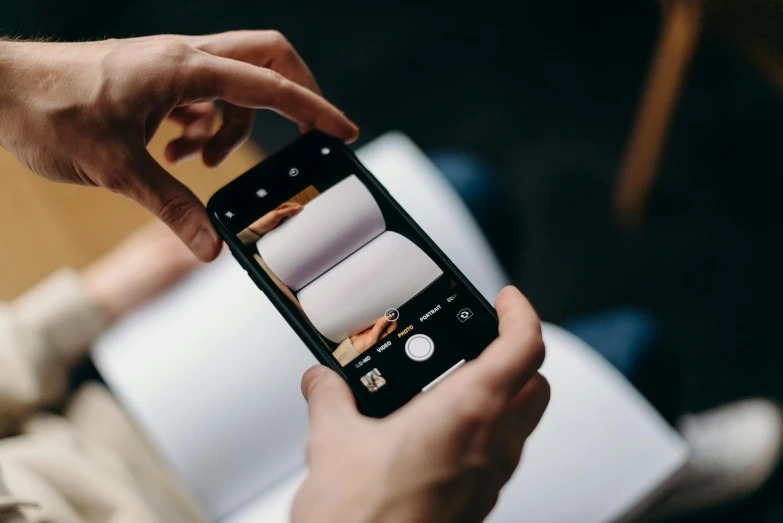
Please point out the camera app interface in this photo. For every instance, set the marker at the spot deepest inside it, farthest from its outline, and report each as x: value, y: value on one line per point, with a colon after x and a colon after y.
x: 357, y: 272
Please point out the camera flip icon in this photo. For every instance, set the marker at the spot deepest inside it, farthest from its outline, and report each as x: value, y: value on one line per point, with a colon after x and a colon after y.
x: 464, y: 315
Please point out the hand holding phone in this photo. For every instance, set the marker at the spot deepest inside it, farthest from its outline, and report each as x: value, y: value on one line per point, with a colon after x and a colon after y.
x: 102, y: 140
x: 366, y: 289
x: 444, y: 456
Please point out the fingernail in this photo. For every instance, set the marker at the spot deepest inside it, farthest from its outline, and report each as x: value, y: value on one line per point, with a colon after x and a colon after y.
x: 204, y: 245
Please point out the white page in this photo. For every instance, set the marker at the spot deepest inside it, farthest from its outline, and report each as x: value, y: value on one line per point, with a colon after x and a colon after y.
x: 328, y: 229
x: 211, y: 372
x: 353, y: 295
x: 274, y: 505
x: 600, y: 449
x: 224, y: 407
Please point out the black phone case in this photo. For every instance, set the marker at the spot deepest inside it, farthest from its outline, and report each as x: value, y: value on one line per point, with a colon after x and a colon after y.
x: 265, y: 284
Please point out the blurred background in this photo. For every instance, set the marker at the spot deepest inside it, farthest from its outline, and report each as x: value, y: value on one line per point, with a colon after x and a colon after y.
x: 546, y: 95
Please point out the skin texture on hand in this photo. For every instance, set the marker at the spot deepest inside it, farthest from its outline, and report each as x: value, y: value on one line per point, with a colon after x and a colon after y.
x: 84, y: 112
x: 441, y: 458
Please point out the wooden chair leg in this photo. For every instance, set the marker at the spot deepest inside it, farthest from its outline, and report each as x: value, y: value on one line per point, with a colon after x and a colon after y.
x: 680, y: 31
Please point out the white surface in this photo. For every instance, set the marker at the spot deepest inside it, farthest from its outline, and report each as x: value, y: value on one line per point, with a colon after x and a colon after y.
x: 328, y: 229
x: 211, y: 372
x: 274, y: 506
x: 357, y: 292
x: 599, y: 450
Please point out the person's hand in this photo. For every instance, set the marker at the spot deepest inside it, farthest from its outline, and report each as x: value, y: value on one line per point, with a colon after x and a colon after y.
x: 388, y: 329
x: 84, y: 112
x: 444, y: 456
x: 273, y: 218
x: 370, y: 336
x: 142, y: 266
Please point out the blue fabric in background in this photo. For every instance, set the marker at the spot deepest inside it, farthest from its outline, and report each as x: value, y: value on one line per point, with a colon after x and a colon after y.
x: 622, y: 335
x: 475, y: 181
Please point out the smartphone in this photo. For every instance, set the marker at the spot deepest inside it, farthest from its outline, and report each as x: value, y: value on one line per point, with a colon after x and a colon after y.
x: 365, y: 288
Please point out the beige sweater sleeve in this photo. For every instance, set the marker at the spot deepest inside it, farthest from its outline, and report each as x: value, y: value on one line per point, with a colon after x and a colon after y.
x: 42, y: 333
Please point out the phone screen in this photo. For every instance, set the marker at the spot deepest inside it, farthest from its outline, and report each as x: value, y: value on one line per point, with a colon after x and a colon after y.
x: 383, y: 303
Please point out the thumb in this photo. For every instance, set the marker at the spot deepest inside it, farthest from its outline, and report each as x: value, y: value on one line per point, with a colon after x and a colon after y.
x: 328, y: 396
x: 174, y: 204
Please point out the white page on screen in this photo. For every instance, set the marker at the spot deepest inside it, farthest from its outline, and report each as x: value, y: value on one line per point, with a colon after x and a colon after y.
x: 327, y: 230
x: 387, y: 272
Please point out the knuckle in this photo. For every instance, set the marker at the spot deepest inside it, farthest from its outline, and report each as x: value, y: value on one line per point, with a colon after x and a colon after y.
x: 178, y: 56
x: 170, y: 59
x: 239, y: 33
x: 197, y: 75
x: 176, y: 210
x: 277, y: 81
x: 277, y: 39
x: 176, y: 50
x: 277, y: 84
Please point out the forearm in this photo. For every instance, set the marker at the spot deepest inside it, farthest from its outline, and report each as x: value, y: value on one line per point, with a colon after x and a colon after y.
x: 36, y: 92
x: 15, y: 78
x: 6, y: 85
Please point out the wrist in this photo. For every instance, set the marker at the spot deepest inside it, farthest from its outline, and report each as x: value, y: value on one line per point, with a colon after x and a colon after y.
x: 8, y: 59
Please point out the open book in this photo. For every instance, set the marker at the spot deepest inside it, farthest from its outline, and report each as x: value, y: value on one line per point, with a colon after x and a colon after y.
x: 211, y: 373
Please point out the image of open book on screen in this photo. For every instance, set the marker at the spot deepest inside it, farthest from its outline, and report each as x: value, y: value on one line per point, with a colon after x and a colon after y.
x: 333, y: 256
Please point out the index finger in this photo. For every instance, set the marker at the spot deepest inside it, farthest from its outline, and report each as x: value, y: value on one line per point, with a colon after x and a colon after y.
x: 262, y: 48
x: 518, y: 352
x: 247, y: 85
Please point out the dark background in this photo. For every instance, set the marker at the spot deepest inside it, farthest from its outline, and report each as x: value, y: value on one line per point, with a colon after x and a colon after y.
x: 546, y: 92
